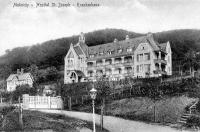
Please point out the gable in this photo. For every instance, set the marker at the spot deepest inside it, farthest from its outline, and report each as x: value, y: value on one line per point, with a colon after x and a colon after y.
x: 144, y: 47
x: 71, y: 55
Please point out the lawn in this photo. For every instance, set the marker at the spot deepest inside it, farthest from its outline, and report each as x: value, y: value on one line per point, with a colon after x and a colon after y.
x: 166, y: 110
x: 34, y: 120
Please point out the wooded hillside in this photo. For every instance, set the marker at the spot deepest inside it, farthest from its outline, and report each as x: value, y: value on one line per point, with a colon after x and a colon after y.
x: 51, y: 53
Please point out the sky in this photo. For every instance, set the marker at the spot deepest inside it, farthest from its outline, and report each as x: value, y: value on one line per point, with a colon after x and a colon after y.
x: 22, y: 26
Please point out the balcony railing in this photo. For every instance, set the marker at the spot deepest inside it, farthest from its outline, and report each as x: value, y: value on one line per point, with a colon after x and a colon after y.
x: 159, y: 72
x: 160, y: 61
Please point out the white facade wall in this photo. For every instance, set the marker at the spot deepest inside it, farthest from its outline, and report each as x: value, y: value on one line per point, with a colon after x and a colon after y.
x: 142, y: 49
x: 168, y: 58
x: 147, y: 67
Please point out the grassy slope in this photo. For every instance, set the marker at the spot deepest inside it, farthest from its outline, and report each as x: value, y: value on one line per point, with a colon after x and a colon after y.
x: 168, y: 110
x: 34, y: 120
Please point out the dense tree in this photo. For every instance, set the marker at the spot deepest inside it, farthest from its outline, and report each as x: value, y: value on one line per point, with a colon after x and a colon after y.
x: 23, y: 89
x: 5, y: 71
x: 191, y: 61
x: 51, y: 53
x: 33, y: 69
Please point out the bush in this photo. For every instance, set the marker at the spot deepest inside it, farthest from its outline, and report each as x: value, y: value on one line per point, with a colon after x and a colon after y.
x: 20, y: 90
x: 5, y: 110
x: 142, y: 108
x: 193, y: 121
x: 11, y: 121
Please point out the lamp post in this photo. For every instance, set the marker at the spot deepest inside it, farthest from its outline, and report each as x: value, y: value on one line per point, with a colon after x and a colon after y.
x: 93, y: 93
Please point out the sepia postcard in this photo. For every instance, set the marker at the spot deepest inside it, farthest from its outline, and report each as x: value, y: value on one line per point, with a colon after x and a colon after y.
x: 99, y: 65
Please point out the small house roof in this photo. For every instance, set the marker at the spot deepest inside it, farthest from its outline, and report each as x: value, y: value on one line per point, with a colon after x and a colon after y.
x: 20, y: 77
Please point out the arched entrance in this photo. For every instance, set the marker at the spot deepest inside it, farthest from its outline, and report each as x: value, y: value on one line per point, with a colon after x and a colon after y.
x: 73, y: 77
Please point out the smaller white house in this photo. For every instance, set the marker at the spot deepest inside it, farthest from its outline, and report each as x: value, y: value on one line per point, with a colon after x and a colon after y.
x: 49, y: 89
x: 19, y: 79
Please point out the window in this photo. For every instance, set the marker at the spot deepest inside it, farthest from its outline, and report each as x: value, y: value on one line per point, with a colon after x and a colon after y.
x: 101, y: 53
x: 119, y: 50
x: 141, y: 68
x: 120, y: 71
x: 129, y: 49
x: 147, y: 67
x: 137, y: 68
x: 146, y: 56
x: 139, y: 57
x: 109, y: 52
x: 70, y: 63
x: 91, y: 56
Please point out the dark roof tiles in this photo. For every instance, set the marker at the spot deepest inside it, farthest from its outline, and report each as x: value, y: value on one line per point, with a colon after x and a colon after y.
x: 78, y: 50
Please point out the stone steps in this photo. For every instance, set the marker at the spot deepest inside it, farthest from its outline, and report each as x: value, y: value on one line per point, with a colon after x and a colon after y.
x: 188, y: 114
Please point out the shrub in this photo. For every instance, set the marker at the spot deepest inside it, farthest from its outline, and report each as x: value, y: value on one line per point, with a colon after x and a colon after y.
x: 5, y: 110
x: 193, y: 121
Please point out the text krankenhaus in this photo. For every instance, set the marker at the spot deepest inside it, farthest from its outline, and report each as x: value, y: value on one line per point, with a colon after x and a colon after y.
x: 59, y: 4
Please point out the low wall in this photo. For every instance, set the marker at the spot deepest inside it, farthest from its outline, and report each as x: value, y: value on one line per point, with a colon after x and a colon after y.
x: 42, y: 102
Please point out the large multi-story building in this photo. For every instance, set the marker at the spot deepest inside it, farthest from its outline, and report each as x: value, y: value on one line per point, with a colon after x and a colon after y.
x: 136, y: 57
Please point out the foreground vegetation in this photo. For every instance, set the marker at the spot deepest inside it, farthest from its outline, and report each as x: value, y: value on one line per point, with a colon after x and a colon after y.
x: 167, y: 110
x: 34, y: 120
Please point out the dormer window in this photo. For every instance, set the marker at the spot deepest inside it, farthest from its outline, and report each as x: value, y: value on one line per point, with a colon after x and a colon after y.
x: 129, y: 49
x: 109, y: 52
x: 101, y: 53
x: 91, y: 55
x: 119, y: 50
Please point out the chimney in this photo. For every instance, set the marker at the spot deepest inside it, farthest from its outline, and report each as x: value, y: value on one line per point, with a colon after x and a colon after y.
x: 82, y: 38
x: 18, y: 71
x: 115, y: 40
x: 149, y: 34
x: 127, y: 37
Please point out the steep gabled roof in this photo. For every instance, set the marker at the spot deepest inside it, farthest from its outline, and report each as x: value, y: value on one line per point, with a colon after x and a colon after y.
x: 78, y: 50
x: 24, y: 76
x: 113, y: 46
x: 19, y: 77
x: 124, y: 45
x: 111, y: 49
x: 163, y: 46
x: 84, y: 47
x: 11, y: 77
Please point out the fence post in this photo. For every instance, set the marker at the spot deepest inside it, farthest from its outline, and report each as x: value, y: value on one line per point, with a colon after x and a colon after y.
x: 35, y: 100
x: 49, y: 100
x: 70, y: 103
x: 82, y: 98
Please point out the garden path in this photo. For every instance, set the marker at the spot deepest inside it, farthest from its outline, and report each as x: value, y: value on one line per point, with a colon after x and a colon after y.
x: 114, y: 124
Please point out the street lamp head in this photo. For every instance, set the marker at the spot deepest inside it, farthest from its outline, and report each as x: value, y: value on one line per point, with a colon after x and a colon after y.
x: 93, y: 93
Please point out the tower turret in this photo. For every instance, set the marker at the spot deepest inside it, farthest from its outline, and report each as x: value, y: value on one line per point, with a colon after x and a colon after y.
x: 82, y: 38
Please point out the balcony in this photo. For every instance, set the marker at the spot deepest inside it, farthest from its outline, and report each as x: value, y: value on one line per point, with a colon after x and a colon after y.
x: 159, y: 72
x: 127, y: 63
x: 162, y: 61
